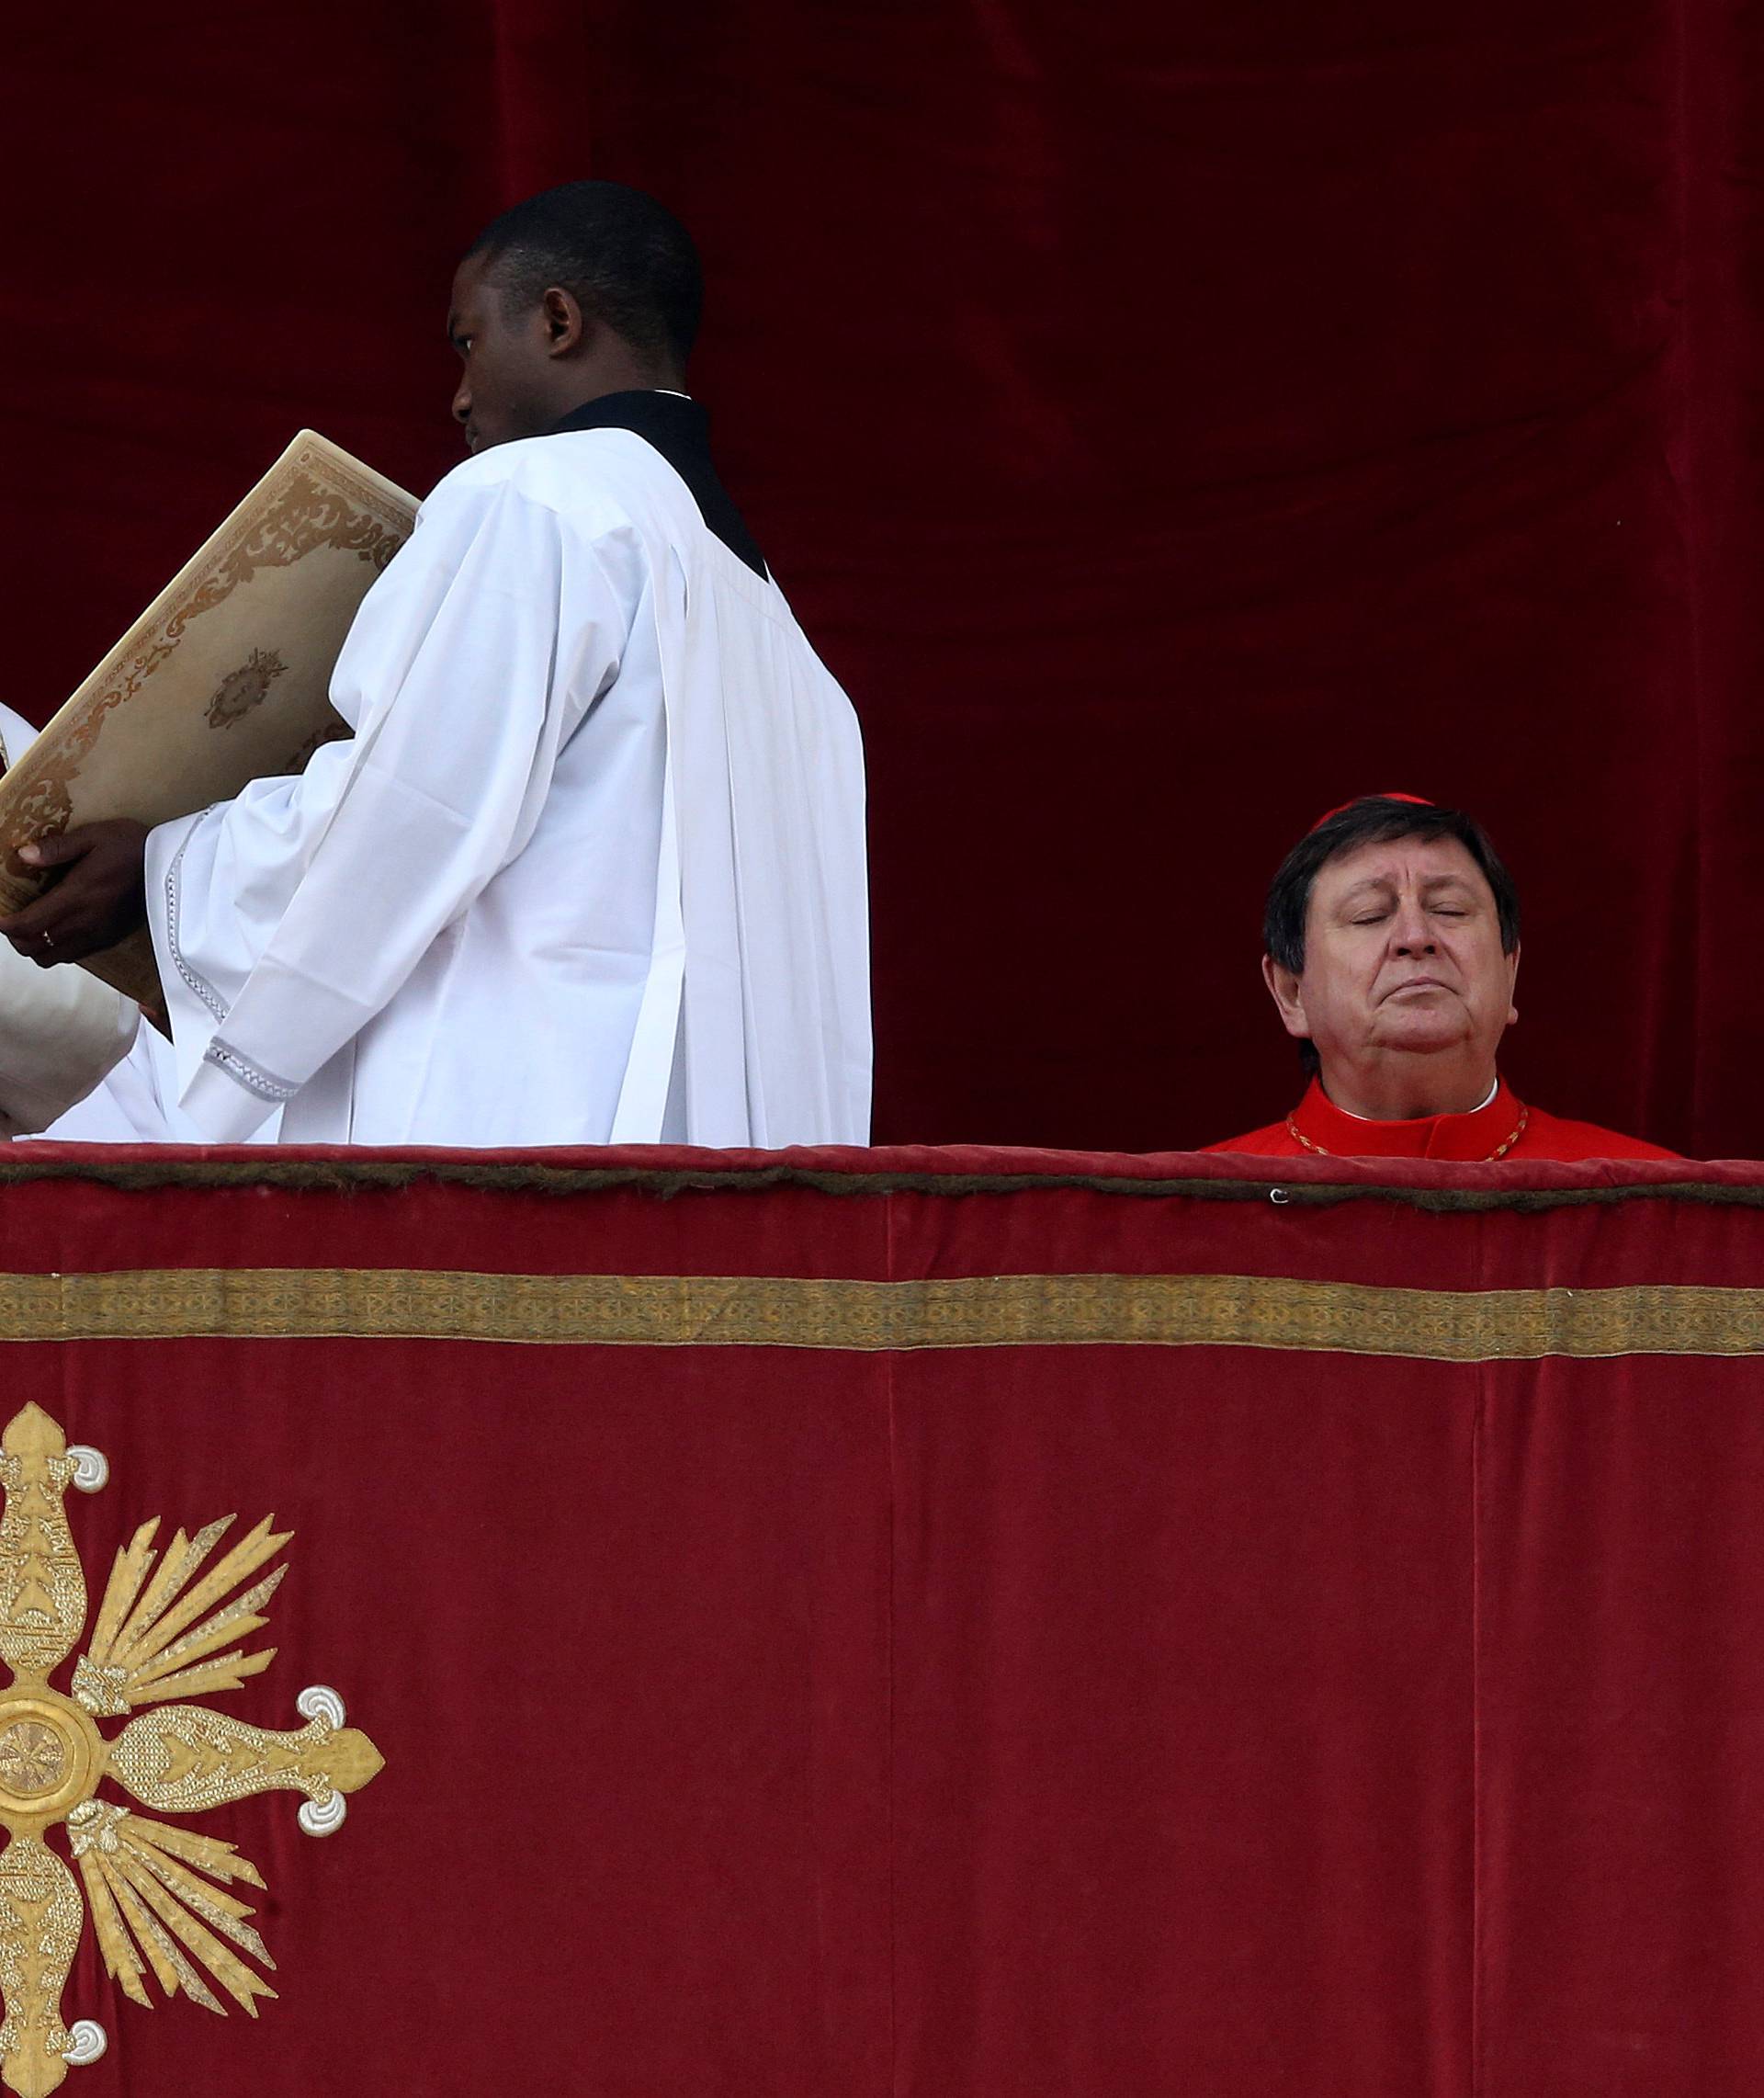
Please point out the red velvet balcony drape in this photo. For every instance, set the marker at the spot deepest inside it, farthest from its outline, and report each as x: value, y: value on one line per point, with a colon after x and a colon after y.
x: 887, y: 1625
x: 1169, y: 422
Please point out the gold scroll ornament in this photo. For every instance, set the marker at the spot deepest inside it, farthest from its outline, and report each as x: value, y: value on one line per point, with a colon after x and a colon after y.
x: 158, y: 1893
x: 224, y: 679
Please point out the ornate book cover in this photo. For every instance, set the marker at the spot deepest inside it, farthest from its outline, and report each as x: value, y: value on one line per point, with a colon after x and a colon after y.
x: 223, y: 680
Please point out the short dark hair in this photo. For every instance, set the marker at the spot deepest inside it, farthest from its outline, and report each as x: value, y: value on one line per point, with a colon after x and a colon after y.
x: 621, y: 255
x: 1374, y: 819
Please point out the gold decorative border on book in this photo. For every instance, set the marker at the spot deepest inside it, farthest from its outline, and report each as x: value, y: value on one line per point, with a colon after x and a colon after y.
x: 848, y: 1315
x: 313, y: 496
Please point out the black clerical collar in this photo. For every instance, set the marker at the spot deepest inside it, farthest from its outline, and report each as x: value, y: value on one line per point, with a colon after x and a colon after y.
x: 680, y: 430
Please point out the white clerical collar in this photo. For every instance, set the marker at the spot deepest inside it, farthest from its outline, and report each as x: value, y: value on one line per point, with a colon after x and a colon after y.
x: 673, y: 392
x: 1476, y: 1110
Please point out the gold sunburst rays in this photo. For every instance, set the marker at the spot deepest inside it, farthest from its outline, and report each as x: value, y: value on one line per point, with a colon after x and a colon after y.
x: 143, y: 1894
x: 150, y: 1646
x: 158, y: 1894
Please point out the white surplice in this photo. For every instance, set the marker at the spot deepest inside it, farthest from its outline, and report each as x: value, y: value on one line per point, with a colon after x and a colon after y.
x: 591, y: 869
x: 137, y: 1103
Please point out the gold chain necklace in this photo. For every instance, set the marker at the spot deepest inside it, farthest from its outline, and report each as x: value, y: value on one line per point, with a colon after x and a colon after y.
x: 1500, y: 1150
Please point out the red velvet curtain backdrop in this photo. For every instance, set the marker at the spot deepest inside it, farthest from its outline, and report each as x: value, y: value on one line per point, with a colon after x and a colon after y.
x: 1168, y: 422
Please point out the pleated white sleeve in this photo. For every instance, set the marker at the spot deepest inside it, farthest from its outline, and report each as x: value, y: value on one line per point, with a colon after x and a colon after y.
x: 287, y: 919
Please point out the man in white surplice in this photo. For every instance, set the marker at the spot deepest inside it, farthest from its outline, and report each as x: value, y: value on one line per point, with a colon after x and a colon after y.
x: 591, y: 869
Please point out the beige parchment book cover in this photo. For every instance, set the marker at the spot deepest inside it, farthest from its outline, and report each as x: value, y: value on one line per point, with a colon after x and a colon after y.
x: 224, y: 679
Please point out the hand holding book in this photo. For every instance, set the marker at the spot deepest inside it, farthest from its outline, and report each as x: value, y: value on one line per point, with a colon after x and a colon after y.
x: 95, y: 903
x: 223, y: 680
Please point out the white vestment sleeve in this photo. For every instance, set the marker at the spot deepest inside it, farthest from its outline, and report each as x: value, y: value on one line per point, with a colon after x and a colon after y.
x: 287, y: 919
x: 61, y: 1032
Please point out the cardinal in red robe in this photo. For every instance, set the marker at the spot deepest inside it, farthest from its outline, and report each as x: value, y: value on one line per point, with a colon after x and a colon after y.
x: 1392, y: 933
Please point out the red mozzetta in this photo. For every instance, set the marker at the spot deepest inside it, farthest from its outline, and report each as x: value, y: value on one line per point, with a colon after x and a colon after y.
x: 1502, y: 1128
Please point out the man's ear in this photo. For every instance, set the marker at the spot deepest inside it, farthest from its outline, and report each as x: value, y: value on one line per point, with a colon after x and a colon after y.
x: 1512, y: 983
x: 1283, y: 988
x: 564, y: 326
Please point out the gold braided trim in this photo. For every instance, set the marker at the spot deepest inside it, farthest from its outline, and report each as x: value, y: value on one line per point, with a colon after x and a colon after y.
x: 1013, y: 1310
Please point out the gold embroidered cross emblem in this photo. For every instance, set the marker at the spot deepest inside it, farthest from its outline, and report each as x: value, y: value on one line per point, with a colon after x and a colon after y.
x: 158, y: 1893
